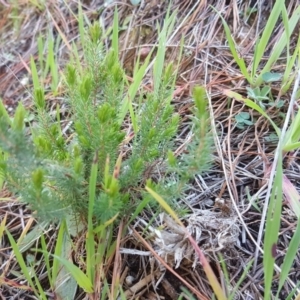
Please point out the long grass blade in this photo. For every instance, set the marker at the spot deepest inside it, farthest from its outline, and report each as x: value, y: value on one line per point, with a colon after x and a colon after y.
x: 292, y: 135
x: 268, y: 30
x: 289, y: 75
x: 34, y: 74
x: 240, y: 281
x: 82, y: 32
x: 239, y: 60
x: 272, y: 229
x: 293, y: 292
x: 289, y: 258
x: 46, y: 260
x: 21, y: 262
x: 40, y: 44
x: 115, y: 33
x: 161, y: 50
x: 65, y: 284
x: 42, y: 294
x: 83, y: 281
x: 52, y: 64
x: 132, y: 91
x: 139, y: 208
x: 280, y: 45
x: 57, y: 251
x: 2, y: 226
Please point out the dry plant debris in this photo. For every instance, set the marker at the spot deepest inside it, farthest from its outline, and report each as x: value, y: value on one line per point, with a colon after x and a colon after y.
x: 212, y: 230
x: 219, y: 227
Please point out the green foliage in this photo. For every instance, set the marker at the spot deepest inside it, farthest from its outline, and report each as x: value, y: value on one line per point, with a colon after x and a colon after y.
x: 194, y: 160
x: 56, y: 171
x: 288, y: 140
x: 263, y: 96
x: 256, y: 77
x: 186, y: 294
x: 47, y: 64
x: 35, y: 284
x: 243, y: 119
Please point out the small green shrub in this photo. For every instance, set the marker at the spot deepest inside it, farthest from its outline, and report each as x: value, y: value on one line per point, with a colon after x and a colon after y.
x: 49, y: 168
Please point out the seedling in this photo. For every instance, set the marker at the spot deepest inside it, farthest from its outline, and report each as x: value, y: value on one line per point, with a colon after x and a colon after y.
x: 243, y: 119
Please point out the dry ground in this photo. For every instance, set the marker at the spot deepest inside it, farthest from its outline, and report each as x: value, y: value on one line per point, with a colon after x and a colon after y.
x: 242, y: 157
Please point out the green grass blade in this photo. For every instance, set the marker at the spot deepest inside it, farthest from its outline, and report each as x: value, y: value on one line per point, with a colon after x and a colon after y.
x: 289, y: 257
x: 82, y: 32
x: 293, y: 292
x: 42, y: 294
x: 122, y: 294
x: 293, y: 134
x: 268, y: 30
x: 240, y: 281
x: 272, y: 229
x: 47, y: 65
x: 21, y: 262
x: 224, y: 269
x: 32, y: 237
x: 239, y: 60
x: 34, y: 74
x: 77, y: 61
x: 287, y: 77
x: 132, y: 91
x: 139, y: 208
x: 40, y: 44
x: 101, y: 227
x: 111, y: 242
x: 186, y: 294
x: 161, y: 51
x: 291, y: 147
x: 3, y: 158
x: 2, y: 226
x: 133, y: 117
x: 115, y: 33
x: 3, y: 114
x: 57, y: 251
x: 164, y: 205
x: 65, y: 284
x: 285, y: 20
x: 46, y: 260
x: 58, y: 42
x: 82, y: 280
x: 52, y: 65
x: 105, y: 291
x: 279, y: 46
x: 102, y: 248
x: 179, y: 61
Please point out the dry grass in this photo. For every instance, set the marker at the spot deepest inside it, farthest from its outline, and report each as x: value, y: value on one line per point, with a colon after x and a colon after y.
x: 241, y: 161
